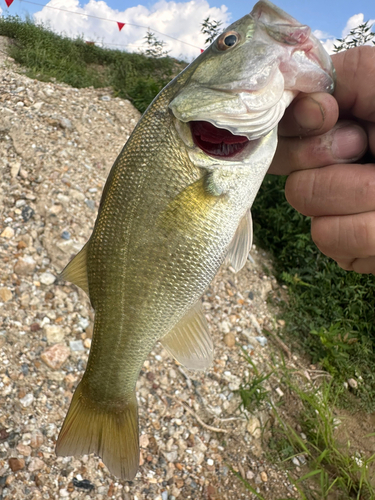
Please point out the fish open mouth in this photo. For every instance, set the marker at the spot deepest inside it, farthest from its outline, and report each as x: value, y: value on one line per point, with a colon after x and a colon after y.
x: 215, y: 141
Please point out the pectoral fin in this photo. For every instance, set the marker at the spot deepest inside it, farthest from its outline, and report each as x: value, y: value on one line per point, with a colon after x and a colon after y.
x: 240, y: 246
x: 76, y: 270
x: 189, y: 342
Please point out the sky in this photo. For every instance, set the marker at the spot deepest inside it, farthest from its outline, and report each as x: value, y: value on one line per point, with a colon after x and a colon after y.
x: 329, y: 19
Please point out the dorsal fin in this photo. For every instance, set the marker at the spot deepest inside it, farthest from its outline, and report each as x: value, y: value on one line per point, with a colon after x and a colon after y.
x: 240, y: 246
x: 76, y: 270
x: 189, y: 342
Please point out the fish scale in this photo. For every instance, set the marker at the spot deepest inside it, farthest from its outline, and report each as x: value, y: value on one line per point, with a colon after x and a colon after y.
x: 171, y: 213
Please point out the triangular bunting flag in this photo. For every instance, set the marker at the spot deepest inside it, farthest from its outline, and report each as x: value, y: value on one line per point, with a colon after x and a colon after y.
x: 9, y: 2
x: 202, y: 51
x: 120, y: 25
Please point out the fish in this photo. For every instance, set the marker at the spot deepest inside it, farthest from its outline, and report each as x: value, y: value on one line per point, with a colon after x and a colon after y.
x: 176, y: 204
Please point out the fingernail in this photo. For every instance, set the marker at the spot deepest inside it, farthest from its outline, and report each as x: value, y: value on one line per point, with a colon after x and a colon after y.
x: 309, y: 114
x: 349, y: 142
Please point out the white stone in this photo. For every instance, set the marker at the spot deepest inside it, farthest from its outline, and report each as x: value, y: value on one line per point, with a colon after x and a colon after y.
x: 27, y: 400
x: 54, y: 333
x: 76, y: 345
x: 47, y: 278
x: 253, y: 427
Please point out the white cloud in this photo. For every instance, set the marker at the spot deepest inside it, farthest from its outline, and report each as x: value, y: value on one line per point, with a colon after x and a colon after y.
x: 329, y: 41
x: 353, y: 22
x: 180, y: 20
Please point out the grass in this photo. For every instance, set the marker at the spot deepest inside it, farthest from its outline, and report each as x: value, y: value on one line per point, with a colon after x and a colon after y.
x: 252, y: 392
x: 330, y: 313
x: 49, y: 56
x: 329, y: 467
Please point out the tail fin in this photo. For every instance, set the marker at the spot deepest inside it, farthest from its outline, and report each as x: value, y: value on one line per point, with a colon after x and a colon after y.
x: 111, y: 434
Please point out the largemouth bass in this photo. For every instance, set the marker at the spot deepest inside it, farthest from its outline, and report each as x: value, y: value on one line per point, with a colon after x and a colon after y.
x: 176, y: 204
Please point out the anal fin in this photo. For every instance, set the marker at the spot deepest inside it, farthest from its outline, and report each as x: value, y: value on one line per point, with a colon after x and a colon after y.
x: 76, y: 270
x: 189, y: 342
x: 240, y: 246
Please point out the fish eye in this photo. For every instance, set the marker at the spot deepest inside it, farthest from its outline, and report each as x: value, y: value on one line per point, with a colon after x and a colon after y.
x: 228, y: 40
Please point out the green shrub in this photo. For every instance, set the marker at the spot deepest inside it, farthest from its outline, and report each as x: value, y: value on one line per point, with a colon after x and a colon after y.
x: 325, y: 303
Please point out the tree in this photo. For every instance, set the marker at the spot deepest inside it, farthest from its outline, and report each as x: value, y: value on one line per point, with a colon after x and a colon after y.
x: 360, y: 35
x: 154, y: 46
x: 211, y: 29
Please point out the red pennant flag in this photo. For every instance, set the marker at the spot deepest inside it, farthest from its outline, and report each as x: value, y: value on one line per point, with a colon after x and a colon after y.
x: 120, y: 25
x: 9, y: 2
x: 202, y: 51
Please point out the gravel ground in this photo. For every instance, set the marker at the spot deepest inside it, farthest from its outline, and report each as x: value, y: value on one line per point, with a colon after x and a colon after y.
x: 57, y: 145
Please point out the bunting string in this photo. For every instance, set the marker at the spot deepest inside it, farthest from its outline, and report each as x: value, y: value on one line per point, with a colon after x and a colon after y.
x: 119, y: 24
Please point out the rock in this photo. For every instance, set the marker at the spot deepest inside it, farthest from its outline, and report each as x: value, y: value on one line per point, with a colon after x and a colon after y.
x: 198, y: 457
x: 55, y: 356
x: 105, y: 98
x: 76, y: 345
x: 8, y: 233
x: 353, y: 383
x: 279, y: 392
x: 24, y: 450
x: 76, y: 195
x: 66, y: 123
x: 83, y: 484
x: 83, y: 323
x: 250, y: 475
x: 27, y: 213
x: 143, y: 440
x: 224, y: 327
x: 87, y: 343
x: 65, y: 235
x: 36, y: 439
x: 16, y: 464
x: 47, y: 278
x: 5, y: 294
x: 171, y: 456
x: 230, y: 339
x: 262, y: 340
x: 54, y: 333
x: 253, y: 427
x: 55, y: 209
x: 14, y: 169
x: 25, y: 265
x: 90, y: 204
x: 27, y: 400
x: 64, y: 200
x: 37, y: 106
x: 36, y: 464
x: 263, y: 476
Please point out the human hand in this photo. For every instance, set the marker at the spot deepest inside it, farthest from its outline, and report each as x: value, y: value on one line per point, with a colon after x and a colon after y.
x: 320, y: 154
